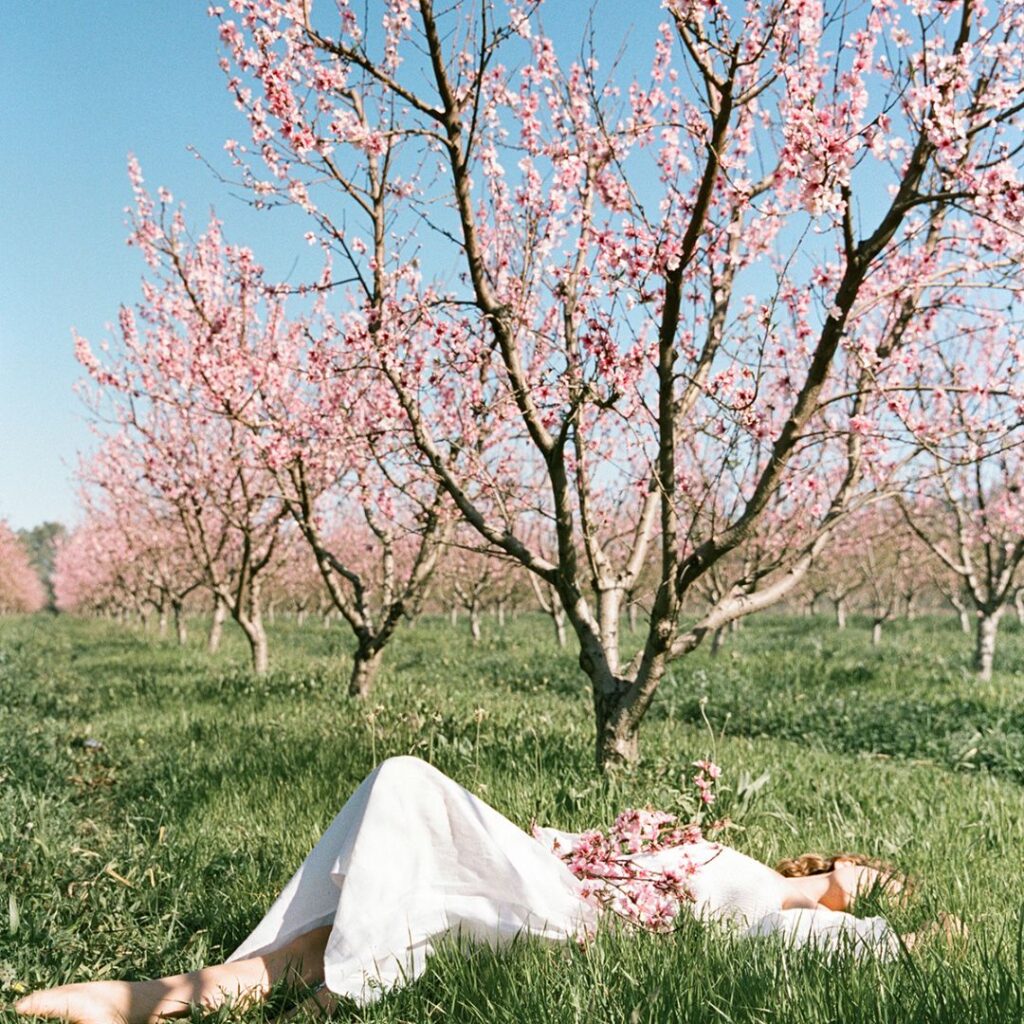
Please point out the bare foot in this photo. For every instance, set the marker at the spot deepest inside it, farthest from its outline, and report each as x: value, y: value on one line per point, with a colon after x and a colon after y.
x: 239, y: 983
x: 146, y: 1002
x: 94, y: 1002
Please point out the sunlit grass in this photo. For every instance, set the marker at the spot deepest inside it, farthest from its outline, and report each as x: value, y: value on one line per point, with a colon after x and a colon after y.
x: 158, y: 850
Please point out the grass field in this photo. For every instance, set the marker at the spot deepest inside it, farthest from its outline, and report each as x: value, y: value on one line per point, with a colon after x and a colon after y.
x: 158, y: 850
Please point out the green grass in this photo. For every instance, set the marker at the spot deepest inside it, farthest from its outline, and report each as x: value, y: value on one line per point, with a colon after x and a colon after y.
x: 158, y: 852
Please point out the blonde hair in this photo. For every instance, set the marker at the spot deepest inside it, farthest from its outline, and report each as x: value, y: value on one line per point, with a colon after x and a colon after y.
x: 816, y: 864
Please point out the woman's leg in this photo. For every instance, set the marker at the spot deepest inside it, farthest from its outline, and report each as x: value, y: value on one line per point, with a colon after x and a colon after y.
x: 143, y: 1002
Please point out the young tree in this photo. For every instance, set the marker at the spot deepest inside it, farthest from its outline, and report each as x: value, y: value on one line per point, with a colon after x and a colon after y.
x: 165, y: 397
x: 41, y: 545
x: 294, y: 581
x: 547, y: 599
x: 145, y: 531
x: 963, y: 499
x: 471, y: 579
x: 885, y: 558
x: 21, y: 590
x: 93, y: 573
x: 620, y: 296
x: 466, y: 575
x: 836, y: 572
x: 953, y: 591
x: 376, y: 570
x: 977, y: 531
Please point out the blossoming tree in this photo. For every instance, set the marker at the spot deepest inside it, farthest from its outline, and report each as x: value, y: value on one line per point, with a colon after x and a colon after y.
x: 293, y: 424
x: 142, y: 532
x: 963, y: 499
x: 21, y: 590
x: 372, y: 518
x: 93, y: 573
x: 471, y: 579
x: 836, y: 573
x: 293, y: 583
x: 163, y: 394
x: 886, y: 559
x: 561, y: 269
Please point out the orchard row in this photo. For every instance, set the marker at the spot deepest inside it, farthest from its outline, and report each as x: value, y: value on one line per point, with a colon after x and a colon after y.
x: 690, y: 336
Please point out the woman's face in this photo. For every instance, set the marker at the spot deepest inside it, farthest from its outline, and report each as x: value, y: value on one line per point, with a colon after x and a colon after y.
x: 851, y: 880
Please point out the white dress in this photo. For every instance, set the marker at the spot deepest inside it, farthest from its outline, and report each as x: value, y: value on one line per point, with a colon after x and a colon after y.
x: 413, y: 856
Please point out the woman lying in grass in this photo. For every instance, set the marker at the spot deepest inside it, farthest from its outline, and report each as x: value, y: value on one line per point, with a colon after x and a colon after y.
x: 412, y: 856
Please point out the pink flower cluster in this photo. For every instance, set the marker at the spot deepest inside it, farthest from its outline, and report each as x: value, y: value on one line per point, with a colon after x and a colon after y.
x: 707, y: 774
x: 617, y: 869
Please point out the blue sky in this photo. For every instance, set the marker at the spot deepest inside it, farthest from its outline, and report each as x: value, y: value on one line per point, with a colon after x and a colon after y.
x: 82, y: 84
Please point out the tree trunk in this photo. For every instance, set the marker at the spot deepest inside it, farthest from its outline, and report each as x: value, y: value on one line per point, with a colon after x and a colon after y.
x: 260, y: 655
x: 257, y: 638
x: 252, y: 626
x: 501, y: 615
x: 963, y: 612
x: 272, y: 613
x: 876, y: 632
x: 474, y: 622
x: 300, y: 616
x: 618, y: 742
x: 631, y: 615
x: 162, y: 627
x: 717, y: 639
x: 558, y: 616
x: 985, y: 643
x: 609, y: 610
x: 453, y: 617
x: 220, y: 611
x: 180, y: 626
x: 840, y: 606
x: 1018, y: 605
x: 365, y: 664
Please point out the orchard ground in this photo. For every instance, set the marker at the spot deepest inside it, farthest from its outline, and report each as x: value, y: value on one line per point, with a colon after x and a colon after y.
x: 153, y: 800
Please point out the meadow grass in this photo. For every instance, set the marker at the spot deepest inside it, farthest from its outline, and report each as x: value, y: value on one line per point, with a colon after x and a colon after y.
x: 158, y: 849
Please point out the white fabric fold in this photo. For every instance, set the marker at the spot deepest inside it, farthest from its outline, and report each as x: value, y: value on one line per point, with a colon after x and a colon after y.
x: 411, y: 857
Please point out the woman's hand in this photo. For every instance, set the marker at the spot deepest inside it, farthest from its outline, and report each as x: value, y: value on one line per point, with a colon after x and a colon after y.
x: 947, y: 927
